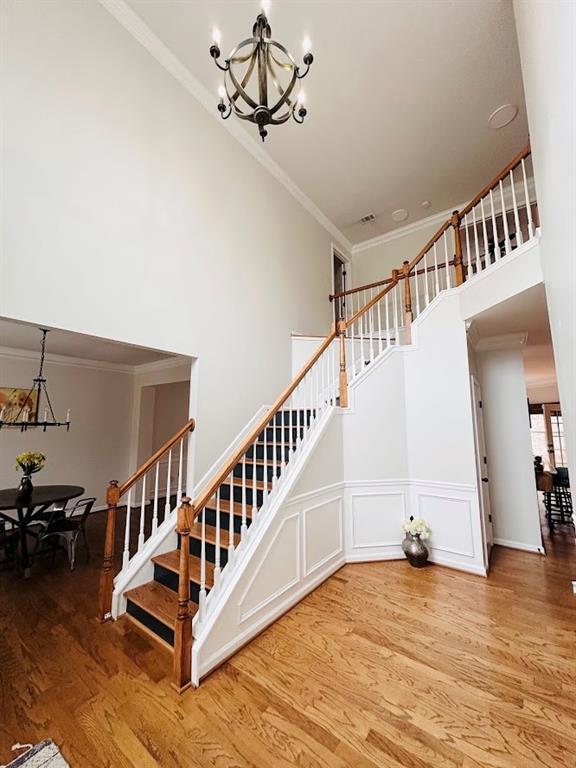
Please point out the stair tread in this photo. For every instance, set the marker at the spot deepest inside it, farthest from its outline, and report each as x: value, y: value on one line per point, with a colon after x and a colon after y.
x: 260, y: 486
x: 196, y: 533
x: 158, y: 601
x: 171, y: 561
x: 225, y: 507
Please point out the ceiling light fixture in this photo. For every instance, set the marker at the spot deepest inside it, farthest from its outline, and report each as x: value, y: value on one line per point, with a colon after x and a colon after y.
x: 261, y: 78
x: 502, y: 116
x: 425, y: 203
x: 23, y: 410
x: 400, y: 215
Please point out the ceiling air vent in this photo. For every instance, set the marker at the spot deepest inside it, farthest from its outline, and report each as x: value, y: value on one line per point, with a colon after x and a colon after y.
x: 368, y: 219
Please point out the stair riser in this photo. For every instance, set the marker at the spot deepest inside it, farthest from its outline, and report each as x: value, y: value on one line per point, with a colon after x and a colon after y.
x: 196, y: 550
x: 225, y: 494
x: 283, y: 434
x: 297, y: 417
x: 169, y: 579
x: 224, y: 520
x: 150, y: 622
x: 250, y: 471
x: 282, y: 452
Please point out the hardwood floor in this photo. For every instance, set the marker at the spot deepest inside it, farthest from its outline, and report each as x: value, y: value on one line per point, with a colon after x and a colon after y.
x: 382, y: 666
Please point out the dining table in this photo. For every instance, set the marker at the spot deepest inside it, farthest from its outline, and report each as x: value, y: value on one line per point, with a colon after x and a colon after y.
x: 28, y: 509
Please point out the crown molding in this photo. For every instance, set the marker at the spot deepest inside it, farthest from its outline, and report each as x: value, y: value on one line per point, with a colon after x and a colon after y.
x: 77, y: 362
x: 140, y: 31
x: 506, y: 341
x: 162, y: 365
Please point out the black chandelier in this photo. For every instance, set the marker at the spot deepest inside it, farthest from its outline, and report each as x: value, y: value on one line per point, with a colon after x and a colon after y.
x: 261, y: 79
x: 24, y: 411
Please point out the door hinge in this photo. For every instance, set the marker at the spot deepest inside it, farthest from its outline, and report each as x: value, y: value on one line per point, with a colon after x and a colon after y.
x: 480, y: 403
x: 489, y: 518
x: 485, y: 460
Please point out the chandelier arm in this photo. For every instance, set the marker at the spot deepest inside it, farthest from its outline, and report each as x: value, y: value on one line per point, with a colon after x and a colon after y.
x: 299, y: 116
x: 282, y: 64
x: 284, y: 94
x: 303, y: 75
x: 247, y: 76
x: 47, y: 396
x: 240, y: 91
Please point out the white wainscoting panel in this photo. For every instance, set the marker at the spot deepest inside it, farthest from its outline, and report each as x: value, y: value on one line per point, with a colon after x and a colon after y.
x: 322, y: 533
x: 452, y: 512
x: 375, y: 512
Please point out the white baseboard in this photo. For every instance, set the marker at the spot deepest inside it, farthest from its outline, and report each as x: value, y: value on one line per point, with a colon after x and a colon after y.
x: 520, y: 545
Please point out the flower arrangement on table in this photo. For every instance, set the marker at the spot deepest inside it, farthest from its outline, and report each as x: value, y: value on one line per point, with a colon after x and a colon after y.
x: 418, y: 527
x: 30, y: 462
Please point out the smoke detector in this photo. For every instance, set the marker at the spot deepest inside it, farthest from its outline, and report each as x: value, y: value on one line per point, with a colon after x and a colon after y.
x: 400, y: 215
x: 368, y: 219
x: 502, y: 116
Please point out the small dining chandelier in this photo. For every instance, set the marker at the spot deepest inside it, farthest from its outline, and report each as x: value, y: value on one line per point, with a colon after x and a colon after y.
x: 22, y: 408
x: 261, y: 79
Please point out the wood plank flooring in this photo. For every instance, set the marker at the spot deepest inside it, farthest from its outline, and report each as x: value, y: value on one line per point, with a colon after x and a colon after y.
x: 383, y: 666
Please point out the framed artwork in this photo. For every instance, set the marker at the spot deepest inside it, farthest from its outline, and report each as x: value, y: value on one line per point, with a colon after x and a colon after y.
x: 12, y: 399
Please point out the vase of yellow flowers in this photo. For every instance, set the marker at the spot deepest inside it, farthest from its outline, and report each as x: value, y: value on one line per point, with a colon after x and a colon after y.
x: 29, y: 462
x: 417, y: 531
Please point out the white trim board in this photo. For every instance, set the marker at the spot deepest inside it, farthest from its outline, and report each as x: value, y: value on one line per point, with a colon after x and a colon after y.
x: 140, y: 31
x: 520, y: 545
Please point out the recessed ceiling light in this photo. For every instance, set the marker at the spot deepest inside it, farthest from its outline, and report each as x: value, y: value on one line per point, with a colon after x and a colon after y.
x: 400, y: 215
x: 502, y: 116
x: 425, y: 203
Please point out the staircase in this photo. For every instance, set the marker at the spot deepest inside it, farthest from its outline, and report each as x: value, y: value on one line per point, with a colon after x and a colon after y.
x: 180, y: 556
x: 218, y: 528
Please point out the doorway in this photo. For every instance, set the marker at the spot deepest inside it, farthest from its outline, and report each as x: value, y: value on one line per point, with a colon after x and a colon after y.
x: 340, y: 283
x: 482, y: 472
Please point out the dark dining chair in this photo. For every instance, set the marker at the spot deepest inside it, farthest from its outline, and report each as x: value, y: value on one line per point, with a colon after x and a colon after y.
x: 8, y: 542
x: 68, y: 528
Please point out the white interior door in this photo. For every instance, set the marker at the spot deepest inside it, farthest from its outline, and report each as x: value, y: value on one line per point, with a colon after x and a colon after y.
x: 482, y: 472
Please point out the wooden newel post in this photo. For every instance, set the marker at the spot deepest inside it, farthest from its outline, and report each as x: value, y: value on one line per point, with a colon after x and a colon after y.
x: 458, y: 262
x: 107, y: 572
x: 343, y: 374
x: 407, y: 304
x: 183, y: 623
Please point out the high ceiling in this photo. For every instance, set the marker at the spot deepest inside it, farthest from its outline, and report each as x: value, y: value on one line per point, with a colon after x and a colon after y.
x: 14, y: 335
x: 399, y: 96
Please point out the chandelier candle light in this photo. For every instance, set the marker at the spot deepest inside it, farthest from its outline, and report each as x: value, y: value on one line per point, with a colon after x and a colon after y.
x: 24, y: 418
x: 261, y: 79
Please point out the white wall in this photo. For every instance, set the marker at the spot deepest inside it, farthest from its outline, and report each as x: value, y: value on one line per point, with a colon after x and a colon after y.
x: 547, y: 42
x: 97, y: 448
x: 513, y: 497
x: 140, y: 218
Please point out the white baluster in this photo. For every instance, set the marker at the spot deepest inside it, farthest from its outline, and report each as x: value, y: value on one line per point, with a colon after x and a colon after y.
x: 447, y: 260
x: 494, y: 227
x: 436, y: 280
x: 362, y: 358
x: 254, y: 482
x: 167, y: 508
x: 468, y: 252
x: 274, y: 457
x: 231, y: 522
x: 417, y: 289
x: 426, y: 284
x: 507, y: 247
x: 217, y: 566
x: 155, y: 506
x: 528, y: 206
x: 202, y: 594
x: 180, y: 457
x: 519, y: 238
x: 371, y: 331
x: 379, y: 317
x: 387, y: 316
x: 126, y: 553
x: 477, y: 248
x: 142, y: 514
x: 244, y: 524
x: 484, y: 235
x: 396, y: 327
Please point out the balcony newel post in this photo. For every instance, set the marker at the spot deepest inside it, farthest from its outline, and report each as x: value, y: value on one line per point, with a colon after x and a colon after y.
x: 343, y: 375
x: 407, y: 304
x: 107, y: 572
x: 458, y: 262
x: 183, y: 623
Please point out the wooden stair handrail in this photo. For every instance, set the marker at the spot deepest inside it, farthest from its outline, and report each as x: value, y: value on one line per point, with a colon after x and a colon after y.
x: 188, y: 427
x: 211, y: 489
x: 393, y: 283
x: 522, y: 155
